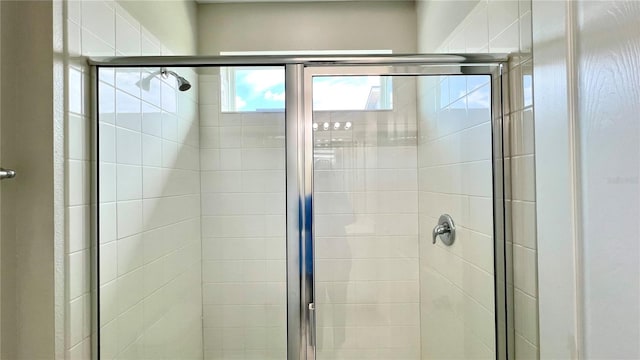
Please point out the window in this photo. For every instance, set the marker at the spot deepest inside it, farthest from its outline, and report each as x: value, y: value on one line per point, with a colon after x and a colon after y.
x: 261, y: 89
x: 252, y: 89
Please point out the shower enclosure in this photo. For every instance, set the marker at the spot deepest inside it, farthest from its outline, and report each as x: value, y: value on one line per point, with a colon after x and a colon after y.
x: 292, y: 208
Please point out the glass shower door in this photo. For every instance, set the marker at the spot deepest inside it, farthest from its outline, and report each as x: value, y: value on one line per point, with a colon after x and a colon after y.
x: 391, y: 154
x: 191, y: 187
x: 231, y: 227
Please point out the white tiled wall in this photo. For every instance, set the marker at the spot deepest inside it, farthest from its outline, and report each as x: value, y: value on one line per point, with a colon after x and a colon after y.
x: 366, y: 232
x: 149, y: 211
x: 457, y: 282
x: 150, y: 250
x: 242, y: 159
x: 505, y: 27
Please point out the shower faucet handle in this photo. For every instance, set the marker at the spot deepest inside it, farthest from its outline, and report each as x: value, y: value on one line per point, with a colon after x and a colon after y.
x: 446, y: 230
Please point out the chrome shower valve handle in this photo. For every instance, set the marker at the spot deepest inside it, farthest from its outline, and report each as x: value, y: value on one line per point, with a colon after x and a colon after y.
x: 446, y: 230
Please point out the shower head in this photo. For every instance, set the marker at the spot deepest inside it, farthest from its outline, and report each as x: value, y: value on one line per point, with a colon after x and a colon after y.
x: 183, y: 84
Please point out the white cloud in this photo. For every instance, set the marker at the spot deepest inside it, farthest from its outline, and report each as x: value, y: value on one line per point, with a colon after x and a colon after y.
x: 240, y: 103
x: 479, y: 99
x: 342, y: 93
x: 263, y: 79
x: 274, y: 96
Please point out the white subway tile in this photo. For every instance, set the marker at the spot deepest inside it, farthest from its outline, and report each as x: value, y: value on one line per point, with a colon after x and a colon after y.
x: 222, y: 181
x: 210, y: 137
x: 169, y: 127
x: 526, y: 37
x: 95, y: 46
x: 108, y: 265
x: 525, y: 270
x: 99, y: 18
x: 129, y: 291
x: 74, y: 11
x: 230, y: 137
x: 502, y: 14
x: 128, y: 39
x: 128, y: 80
x: 209, y: 91
x: 150, y: 46
x: 508, y: 40
x: 526, y: 316
x: 78, y: 227
x: 524, y: 349
x: 107, y: 140
x: 128, y: 147
x: 263, y: 159
x: 129, y: 218
x: 76, y: 88
x: 106, y: 98
x: 151, y: 151
x: 74, y: 37
x: 523, y: 175
x: 77, y: 179
x: 130, y: 326
x: 129, y: 182
x: 78, y: 273
x: 524, y: 223
x: 75, y: 324
x: 130, y: 254
x: 168, y: 95
x: 209, y: 115
x: 108, y: 222
x: 477, y: 29
x: 265, y: 181
x: 106, y: 182
x: 263, y: 136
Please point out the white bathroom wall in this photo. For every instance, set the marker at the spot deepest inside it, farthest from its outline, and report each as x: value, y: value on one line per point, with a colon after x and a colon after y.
x: 242, y: 158
x: 307, y: 25
x: 30, y: 238
x: 366, y: 231
x: 149, y: 210
x: 501, y: 27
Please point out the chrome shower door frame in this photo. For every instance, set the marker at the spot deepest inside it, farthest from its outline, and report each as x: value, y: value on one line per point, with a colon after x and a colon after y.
x: 499, y: 107
x: 299, y: 71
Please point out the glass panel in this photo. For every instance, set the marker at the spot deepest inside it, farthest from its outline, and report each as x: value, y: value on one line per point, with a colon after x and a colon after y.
x: 192, y: 221
x: 382, y: 178
x: 252, y: 89
x: 352, y: 93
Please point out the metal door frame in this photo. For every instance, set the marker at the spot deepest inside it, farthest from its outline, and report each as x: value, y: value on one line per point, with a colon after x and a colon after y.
x: 299, y: 71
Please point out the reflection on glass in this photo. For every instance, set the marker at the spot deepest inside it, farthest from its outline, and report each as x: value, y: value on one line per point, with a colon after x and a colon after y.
x: 381, y: 180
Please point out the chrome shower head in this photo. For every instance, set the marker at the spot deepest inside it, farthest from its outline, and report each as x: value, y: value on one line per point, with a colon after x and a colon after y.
x: 183, y: 84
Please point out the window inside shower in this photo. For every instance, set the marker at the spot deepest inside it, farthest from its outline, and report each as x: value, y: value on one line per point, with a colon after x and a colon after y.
x: 246, y: 89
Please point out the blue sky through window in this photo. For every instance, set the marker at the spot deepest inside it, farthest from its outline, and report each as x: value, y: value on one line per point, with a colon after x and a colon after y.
x: 259, y: 89
x: 262, y: 89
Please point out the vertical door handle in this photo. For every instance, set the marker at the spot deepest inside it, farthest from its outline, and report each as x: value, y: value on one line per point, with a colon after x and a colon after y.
x: 312, y: 324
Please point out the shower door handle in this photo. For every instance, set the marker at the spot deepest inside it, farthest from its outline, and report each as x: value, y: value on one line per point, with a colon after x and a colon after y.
x: 446, y: 230
x: 7, y: 174
x: 312, y: 324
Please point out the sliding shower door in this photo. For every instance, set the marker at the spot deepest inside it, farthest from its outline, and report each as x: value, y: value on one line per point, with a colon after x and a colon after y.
x: 393, y: 151
x: 360, y: 214
x: 191, y: 186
